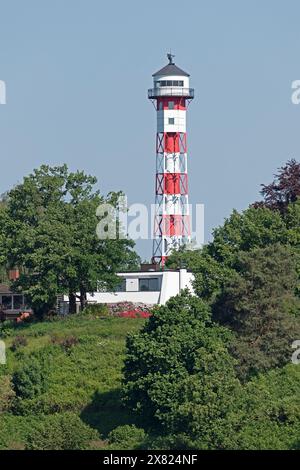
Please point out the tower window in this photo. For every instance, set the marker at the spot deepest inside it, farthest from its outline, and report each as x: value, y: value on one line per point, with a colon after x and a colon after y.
x: 168, y: 83
x: 171, y: 105
x: 171, y: 121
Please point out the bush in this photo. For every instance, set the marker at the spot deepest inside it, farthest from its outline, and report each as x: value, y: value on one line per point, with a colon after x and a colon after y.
x: 64, y: 431
x: 6, y: 329
x: 68, y: 343
x: 29, y: 381
x: 126, y: 437
x: 18, y: 342
x: 7, y: 393
x: 97, y: 310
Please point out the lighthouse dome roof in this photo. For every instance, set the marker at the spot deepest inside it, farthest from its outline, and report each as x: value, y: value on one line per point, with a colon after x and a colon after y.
x: 171, y: 69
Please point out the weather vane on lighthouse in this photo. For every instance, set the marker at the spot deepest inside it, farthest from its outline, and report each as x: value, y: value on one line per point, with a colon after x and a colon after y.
x: 170, y: 95
x: 170, y: 58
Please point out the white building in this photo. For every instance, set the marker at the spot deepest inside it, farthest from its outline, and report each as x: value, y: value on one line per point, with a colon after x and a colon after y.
x: 148, y: 287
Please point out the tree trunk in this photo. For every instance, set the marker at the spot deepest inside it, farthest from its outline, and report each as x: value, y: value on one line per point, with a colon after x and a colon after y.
x: 83, y: 299
x: 72, y: 302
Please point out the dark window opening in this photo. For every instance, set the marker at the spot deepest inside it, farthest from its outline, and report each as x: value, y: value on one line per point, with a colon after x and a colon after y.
x: 7, y: 302
x: 149, y: 285
x: 18, y: 302
x: 169, y: 83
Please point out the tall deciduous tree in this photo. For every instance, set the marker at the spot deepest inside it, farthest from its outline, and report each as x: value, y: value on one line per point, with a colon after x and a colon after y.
x: 215, y: 263
x: 49, y: 232
x: 179, y: 374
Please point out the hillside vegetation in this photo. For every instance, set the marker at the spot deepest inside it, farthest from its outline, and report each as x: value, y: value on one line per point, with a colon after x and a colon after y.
x: 216, y: 370
x: 79, y: 360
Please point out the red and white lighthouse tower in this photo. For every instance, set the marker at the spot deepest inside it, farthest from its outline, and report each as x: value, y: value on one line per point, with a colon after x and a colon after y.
x: 171, y: 95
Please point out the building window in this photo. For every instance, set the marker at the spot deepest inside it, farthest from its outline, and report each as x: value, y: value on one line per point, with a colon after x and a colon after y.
x: 148, y: 285
x: 171, y: 121
x: 7, y: 302
x: 160, y: 105
x: 171, y: 105
x: 18, y: 302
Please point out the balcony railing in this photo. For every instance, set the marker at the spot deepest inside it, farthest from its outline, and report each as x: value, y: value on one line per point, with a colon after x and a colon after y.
x: 171, y: 91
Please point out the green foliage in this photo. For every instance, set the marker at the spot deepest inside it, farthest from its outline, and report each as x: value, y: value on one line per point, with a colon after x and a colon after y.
x: 170, y: 442
x: 64, y: 431
x: 29, y: 381
x: 7, y: 393
x: 215, y: 264
x: 97, y: 310
x: 253, y: 228
x: 267, y: 414
x: 18, y: 342
x: 85, y: 379
x: 48, y: 229
x: 258, y: 305
x: 179, y: 374
x: 14, y: 430
x: 127, y: 437
x: 6, y: 329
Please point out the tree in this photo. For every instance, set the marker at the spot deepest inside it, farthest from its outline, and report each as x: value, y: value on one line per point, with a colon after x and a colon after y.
x: 215, y: 264
x: 284, y: 190
x: 179, y: 373
x: 260, y: 306
x: 210, y: 275
x: 49, y: 232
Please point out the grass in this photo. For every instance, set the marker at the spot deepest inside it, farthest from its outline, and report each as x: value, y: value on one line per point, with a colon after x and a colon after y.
x: 85, y: 378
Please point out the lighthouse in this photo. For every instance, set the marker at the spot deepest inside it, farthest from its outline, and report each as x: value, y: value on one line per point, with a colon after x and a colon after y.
x: 171, y: 94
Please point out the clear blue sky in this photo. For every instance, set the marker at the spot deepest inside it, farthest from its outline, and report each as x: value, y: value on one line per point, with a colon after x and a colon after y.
x: 77, y: 73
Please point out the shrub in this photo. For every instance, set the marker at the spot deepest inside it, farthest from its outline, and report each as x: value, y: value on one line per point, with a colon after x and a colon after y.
x: 7, y: 393
x: 64, y: 431
x: 126, y: 437
x: 18, y: 342
x: 66, y: 343
x: 29, y: 380
x: 97, y: 310
x: 69, y: 342
x: 6, y: 329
